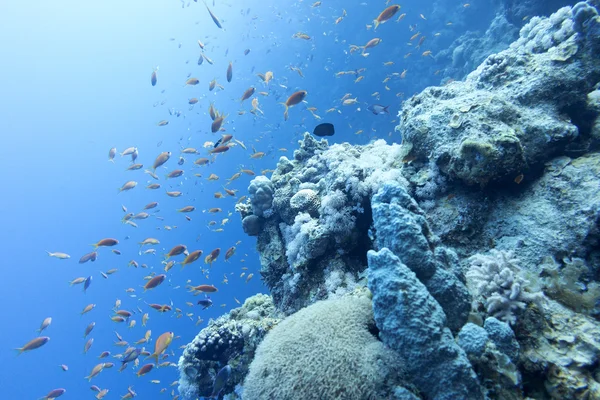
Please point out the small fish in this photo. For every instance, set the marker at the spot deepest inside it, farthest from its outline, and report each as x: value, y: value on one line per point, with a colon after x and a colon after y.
x: 53, y: 394
x: 154, y: 282
x: 370, y: 44
x: 88, y: 345
x: 294, y: 99
x: 192, y: 81
x: 111, y: 154
x: 204, y: 288
x: 161, y: 159
x: 214, y: 17
x: 378, y: 109
x: 77, y: 281
x: 325, y: 129
x: 108, y: 242
x: 127, y: 186
x: 45, y: 324
x: 33, y: 344
x: 385, y: 15
x: 87, y: 283
x: 205, y: 303
x: 229, y: 72
x: 190, y: 258
x: 161, y: 344
x: 88, y: 308
x: 153, y: 77
x: 59, y: 255
x: 248, y: 93
x: 88, y: 257
x: 95, y: 371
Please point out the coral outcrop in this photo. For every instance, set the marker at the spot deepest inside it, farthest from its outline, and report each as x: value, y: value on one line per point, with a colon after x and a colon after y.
x: 499, y: 167
x: 413, y: 323
x: 229, y: 340
x: 314, y: 242
x: 518, y: 109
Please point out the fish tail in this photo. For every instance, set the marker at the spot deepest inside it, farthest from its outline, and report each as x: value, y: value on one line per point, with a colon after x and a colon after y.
x: 50, y: 254
x: 19, y: 351
x: 376, y: 22
x: 111, y: 160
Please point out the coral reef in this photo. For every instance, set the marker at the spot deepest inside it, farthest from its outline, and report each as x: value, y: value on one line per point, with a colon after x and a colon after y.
x: 493, y: 352
x: 517, y: 109
x: 412, y: 323
x: 328, y: 350
x: 229, y: 340
x: 500, y: 166
x: 470, y: 49
x: 321, y: 215
x: 495, y: 282
x: 401, y: 226
x: 560, y: 350
x: 571, y: 284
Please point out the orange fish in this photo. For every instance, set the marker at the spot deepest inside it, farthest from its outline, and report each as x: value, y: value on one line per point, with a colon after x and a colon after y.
x: 154, y: 282
x: 193, y: 256
x: 294, y: 99
x: 385, y: 15
x: 204, y: 288
x: 160, y: 346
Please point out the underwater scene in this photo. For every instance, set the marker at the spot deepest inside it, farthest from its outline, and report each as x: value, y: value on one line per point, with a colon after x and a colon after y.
x: 300, y: 199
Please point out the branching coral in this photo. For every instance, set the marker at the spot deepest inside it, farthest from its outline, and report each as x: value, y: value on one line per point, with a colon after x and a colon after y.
x: 494, y: 279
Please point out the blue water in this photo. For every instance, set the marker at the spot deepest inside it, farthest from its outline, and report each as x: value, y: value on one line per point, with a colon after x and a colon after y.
x: 75, y: 81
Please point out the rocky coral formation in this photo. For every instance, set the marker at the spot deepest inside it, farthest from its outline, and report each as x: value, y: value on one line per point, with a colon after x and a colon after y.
x: 560, y: 350
x: 229, y: 340
x: 554, y: 215
x: 314, y: 241
x: 517, y: 109
x: 470, y: 49
x: 447, y: 193
x: 401, y: 226
x: 413, y: 323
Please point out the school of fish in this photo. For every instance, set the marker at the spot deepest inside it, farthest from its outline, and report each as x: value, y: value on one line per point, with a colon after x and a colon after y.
x: 166, y: 173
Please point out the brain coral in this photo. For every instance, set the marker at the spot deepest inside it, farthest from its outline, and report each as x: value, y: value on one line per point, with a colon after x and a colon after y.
x: 328, y: 350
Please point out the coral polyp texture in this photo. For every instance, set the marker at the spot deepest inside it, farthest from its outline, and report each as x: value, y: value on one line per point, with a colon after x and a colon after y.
x: 461, y: 264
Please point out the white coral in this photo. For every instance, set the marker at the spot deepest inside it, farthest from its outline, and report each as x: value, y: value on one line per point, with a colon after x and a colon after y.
x: 495, y: 281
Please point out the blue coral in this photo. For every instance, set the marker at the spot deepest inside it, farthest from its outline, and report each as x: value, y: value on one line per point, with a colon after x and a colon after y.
x: 412, y: 323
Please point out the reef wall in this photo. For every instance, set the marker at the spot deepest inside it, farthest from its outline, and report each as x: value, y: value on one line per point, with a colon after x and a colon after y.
x: 463, y: 263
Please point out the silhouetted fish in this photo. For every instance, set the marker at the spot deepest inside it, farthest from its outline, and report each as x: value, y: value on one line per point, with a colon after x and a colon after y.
x: 325, y: 129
